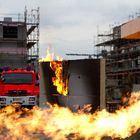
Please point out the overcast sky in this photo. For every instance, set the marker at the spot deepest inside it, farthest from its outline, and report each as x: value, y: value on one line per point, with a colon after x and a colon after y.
x: 70, y: 26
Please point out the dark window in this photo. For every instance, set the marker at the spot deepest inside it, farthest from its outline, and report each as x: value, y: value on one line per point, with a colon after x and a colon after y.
x: 17, y: 78
x: 10, y: 32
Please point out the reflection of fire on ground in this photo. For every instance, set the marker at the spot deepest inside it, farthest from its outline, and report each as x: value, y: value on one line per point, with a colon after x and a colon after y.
x: 60, y: 123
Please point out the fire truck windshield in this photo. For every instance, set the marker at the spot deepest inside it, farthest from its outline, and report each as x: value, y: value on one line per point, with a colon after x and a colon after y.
x: 17, y: 78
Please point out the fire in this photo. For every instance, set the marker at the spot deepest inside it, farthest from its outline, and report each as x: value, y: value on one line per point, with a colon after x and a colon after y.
x: 49, y: 57
x: 58, y: 81
x: 62, y: 87
x: 60, y: 123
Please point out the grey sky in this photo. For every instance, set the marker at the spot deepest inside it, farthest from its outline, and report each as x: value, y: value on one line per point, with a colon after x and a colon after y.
x: 70, y: 26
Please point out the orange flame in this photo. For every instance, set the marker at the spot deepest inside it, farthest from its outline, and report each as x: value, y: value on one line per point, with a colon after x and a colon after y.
x: 58, y: 81
x: 60, y: 123
x: 62, y: 87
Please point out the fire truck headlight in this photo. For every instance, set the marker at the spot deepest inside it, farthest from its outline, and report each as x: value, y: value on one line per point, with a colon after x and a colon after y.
x: 32, y: 99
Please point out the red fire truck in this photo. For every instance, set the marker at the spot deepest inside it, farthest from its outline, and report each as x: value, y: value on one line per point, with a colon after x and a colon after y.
x: 19, y: 86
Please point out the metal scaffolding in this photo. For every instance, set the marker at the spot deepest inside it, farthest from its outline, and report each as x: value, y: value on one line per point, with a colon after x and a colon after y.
x: 19, y: 39
x: 32, y: 21
x: 122, y: 64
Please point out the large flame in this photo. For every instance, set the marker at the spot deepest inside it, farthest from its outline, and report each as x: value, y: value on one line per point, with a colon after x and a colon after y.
x: 56, y: 65
x: 62, y: 86
x: 58, y: 123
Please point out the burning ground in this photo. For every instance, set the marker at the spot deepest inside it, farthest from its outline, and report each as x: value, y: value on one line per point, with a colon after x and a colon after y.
x: 60, y: 123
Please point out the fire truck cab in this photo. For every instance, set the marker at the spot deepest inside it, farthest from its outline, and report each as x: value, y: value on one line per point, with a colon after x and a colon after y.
x: 19, y: 87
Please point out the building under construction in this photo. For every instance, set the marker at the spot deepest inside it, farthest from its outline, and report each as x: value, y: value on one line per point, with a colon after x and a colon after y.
x: 19, y: 39
x: 121, y: 49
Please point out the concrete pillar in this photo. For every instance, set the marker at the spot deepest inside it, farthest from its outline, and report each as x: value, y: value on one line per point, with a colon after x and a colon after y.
x: 102, y: 84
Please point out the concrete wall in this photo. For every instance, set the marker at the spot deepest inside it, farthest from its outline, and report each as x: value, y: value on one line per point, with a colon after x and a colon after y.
x: 86, y: 84
x: 12, y: 50
x: 131, y: 29
x: 1, y: 31
x: 21, y: 31
x: 102, y: 84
